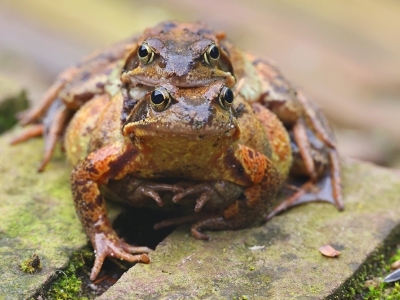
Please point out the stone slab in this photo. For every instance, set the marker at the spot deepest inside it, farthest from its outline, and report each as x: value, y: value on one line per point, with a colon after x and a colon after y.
x: 289, y: 265
x: 37, y: 215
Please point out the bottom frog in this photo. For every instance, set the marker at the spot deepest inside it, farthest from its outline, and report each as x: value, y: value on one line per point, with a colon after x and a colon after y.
x: 233, y: 164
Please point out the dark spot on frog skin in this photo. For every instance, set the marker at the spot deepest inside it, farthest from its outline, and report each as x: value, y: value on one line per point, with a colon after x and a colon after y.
x: 236, y: 168
x: 168, y: 26
x: 117, y: 165
x: 257, y: 61
x: 83, y: 97
x: 203, y: 31
x: 240, y: 110
x: 99, y: 200
x: 250, y: 153
x: 240, y: 169
x: 100, y: 85
x: 85, y: 76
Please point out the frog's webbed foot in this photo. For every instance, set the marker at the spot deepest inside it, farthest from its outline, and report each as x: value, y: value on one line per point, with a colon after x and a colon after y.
x: 323, y: 191
x: 302, y: 139
x: 109, y: 244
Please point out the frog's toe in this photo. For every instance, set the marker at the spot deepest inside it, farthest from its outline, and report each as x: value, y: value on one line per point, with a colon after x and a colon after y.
x: 145, y: 191
x: 198, y: 235
x: 33, y: 131
x: 206, y: 191
x: 112, y: 246
x: 116, y: 253
x: 135, y: 249
x: 151, y: 189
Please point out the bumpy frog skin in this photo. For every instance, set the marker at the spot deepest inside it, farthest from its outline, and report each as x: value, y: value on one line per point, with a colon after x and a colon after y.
x: 159, y: 106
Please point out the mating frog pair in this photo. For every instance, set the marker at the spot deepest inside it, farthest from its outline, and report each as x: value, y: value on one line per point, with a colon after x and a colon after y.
x: 181, y: 110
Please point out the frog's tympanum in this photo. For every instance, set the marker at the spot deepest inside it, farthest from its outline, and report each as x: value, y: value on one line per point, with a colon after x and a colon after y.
x: 179, y: 110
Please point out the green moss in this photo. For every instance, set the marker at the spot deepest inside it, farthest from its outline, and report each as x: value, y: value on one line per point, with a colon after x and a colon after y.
x: 31, y: 265
x: 367, y: 282
x: 68, y: 285
x: 395, y: 257
x: 9, y: 107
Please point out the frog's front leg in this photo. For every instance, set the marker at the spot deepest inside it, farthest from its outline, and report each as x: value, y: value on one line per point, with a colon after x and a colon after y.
x: 113, y: 161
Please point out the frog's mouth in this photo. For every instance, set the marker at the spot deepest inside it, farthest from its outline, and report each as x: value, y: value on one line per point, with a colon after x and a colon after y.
x: 141, y: 76
x: 192, y: 131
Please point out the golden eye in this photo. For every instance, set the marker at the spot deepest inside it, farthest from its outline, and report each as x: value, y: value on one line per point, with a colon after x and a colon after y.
x: 225, y: 98
x: 160, y: 99
x: 145, y: 53
x: 211, y: 55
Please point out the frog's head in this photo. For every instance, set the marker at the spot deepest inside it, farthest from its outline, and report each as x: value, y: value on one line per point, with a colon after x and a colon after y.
x: 177, y: 119
x: 182, y: 54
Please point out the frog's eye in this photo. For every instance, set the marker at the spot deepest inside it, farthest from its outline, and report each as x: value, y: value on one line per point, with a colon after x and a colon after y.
x: 211, y: 55
x: 225, y: 97
x: 145, y: 53
x: 160, y: 99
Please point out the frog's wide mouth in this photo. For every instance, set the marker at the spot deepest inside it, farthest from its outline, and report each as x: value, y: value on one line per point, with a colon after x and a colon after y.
x: 193, y: 131
x: 135, y: 77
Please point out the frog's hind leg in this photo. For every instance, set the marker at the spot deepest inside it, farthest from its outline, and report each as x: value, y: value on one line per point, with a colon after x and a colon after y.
x: 34, y: 114
x: 53, y: 131
x: 307, y: 124
x: 179, y: 221
x: 327, y: 189
x: 215, y: 222
x: 35, y: 130
x: 236, y: 216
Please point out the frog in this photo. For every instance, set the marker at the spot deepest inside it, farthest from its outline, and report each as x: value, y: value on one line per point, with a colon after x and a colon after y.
x: 100, y: 73
x: 258, y: 81
x: 183, y: 60
x: 193, y: 135
x: 191, y: 55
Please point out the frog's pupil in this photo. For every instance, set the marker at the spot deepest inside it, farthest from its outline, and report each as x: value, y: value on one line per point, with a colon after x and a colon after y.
x: 214, y: 52
x: 143, y: 51
x: 228, y: 95
x: 157, y: 97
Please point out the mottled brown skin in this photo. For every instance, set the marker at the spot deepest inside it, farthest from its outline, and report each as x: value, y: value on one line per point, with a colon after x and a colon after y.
x: 193, y: 139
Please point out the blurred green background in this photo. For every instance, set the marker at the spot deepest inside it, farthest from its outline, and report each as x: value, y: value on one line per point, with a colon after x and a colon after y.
x: 345, y: 53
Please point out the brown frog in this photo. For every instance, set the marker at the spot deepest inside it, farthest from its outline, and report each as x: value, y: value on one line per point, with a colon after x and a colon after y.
x: 192, y: 55
x: 257, y: 80
x: 179, y: 60
x: 110, y: 89
x: 191, y: 134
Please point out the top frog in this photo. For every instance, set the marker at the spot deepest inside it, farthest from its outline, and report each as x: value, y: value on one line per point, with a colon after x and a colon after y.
x: 190, y: 55
x: 181, y: 54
